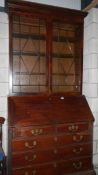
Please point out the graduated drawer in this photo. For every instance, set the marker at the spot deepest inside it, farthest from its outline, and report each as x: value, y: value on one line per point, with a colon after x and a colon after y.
x: 43, y: 142
x: 47, y: 129
x: 73, y: 127
x: 40, y: 142
x: 56, y: 168
x: 29, y: 158
x: 74, y: 166
x: 32, y: 131
x: 65, y: 139
x: 45, y: 169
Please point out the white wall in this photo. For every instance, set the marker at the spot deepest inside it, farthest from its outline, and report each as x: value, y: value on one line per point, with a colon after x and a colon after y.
x: 90, y: 77
x: 73, y: 4
x: 2, y: 3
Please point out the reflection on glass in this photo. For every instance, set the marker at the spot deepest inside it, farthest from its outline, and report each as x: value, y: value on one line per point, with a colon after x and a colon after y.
x: 29, y: 55
x: 66, y: 71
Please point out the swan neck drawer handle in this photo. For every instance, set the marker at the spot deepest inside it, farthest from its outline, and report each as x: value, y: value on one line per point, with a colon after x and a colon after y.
x: 29, y: 146
x: 73, y: 128
x: 77, y: 150
x: 28, y: 159
x: 55, y: 151
x: 26, y: 173
x: 37, y: 131
x: 55, y: 165
x: 33, y: 172
x: 77, y: 139
x: 77, y: 165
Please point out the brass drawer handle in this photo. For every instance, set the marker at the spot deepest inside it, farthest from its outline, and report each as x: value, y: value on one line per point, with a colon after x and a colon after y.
x: 55, y: 139
x: 73, y: 128
x: 33, y: 172
x: 77, y: 150
x: 29, y: 146
x: 36, y: 131
x: 26, y: 173
x: 33, y: 158
x: 77, y: 165
x: 55, y: 165
x: 77, y: 139
x: 55, y: 151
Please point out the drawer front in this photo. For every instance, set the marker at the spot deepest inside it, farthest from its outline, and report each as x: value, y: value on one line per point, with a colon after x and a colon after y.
x: 73, y: 166
x: 36, y: 170
x: 32, y: 131
x: 56, y: 168
x: 31, y: 144
x: 63, y: 140
x: 73, y: 127
x: 49, y: 141
x: 29, y: 158
x: 78, y: 150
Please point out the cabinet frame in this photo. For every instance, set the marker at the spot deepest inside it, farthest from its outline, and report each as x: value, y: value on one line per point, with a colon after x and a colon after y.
x: 50, y: 14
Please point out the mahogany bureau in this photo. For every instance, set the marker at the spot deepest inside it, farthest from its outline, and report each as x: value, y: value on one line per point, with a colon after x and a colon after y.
x: 50, y: 125
x: 50, y: 135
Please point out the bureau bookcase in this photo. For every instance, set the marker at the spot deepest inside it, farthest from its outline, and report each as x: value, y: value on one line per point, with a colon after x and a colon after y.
x: 50, y: 124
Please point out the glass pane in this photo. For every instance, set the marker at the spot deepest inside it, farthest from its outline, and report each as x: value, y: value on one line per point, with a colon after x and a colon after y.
x: 66, y: 70
x: 29, y: 55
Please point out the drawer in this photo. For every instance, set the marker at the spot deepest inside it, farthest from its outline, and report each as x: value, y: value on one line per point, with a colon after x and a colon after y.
x: 32, y: 131
x: 35, y: 143
x: 65, y: 139
x: 74, y: 166
x: 44, y: 169
x: 56, y: 168
x: 43, y: 142
x: 69, y: 152
x: 29, y: 158
x: 73, y: 127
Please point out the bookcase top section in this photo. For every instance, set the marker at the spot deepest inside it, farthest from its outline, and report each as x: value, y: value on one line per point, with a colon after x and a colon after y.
x: 50, y: 11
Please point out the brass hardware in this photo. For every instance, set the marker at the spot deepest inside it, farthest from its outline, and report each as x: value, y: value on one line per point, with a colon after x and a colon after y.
x: 73, y: 128
x: 41, y: 131
x: 28, y: 146
x: 62, y: 98
x: 26, y: 173
x: 34, y: 157
x: 77, y: 139
x: 26, y: 158
x: 37, y: 131
x: 77, y: 165
x: 77, y: 150
x: 32, y: 131
x: 55, y: 151
x: 34, y: 172
x: 55, y: 165
x: 55, y: 139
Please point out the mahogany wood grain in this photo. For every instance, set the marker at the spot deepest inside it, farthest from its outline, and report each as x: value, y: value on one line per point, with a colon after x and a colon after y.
x: 50, y: 124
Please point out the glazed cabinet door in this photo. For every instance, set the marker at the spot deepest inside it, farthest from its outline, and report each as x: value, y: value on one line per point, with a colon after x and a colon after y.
x: 45, y: 55
x: 67, y: 61
x: 28, y: 55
